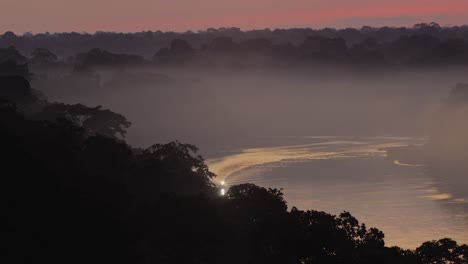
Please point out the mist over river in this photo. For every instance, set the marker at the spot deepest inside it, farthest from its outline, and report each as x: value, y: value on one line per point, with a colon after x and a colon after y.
x: 234, y: 132
x: 335, y: 174
x: 227, y: 116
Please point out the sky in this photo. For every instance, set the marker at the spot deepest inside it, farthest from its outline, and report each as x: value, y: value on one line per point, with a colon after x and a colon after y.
x: 36, y: 16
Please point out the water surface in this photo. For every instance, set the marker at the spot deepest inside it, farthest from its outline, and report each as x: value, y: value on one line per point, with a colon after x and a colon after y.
x: 335, y: 174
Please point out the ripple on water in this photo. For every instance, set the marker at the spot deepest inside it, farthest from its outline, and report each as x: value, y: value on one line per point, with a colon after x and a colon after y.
x: 354, y: 175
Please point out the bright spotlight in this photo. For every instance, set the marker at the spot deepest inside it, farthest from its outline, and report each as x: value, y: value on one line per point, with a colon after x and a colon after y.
x: 223, y: 191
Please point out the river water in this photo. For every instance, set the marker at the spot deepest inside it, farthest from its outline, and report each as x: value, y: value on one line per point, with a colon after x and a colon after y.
x: 335, y: 174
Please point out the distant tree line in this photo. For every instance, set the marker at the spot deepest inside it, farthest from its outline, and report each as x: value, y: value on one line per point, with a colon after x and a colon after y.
x: 74, y: 192
x: 421, y: 45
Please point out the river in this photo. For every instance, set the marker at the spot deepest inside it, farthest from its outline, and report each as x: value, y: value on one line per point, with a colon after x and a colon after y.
x: 335, y: 174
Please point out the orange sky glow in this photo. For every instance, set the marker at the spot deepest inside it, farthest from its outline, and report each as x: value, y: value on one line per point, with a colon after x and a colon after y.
x: 139, y: 15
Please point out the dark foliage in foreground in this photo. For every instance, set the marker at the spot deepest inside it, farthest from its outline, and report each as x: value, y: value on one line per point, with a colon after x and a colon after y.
x: 70, y: 196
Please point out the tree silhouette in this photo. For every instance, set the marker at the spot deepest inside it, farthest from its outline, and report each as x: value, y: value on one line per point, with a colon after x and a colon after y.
x: 101, y: 58
x: 442, y: 251
x: 223, y: 45
x: 95, y: 120
x: 321, y: 49
x: 73, y: 191
x: 16, y: 89
x: 11, y: 68
x: 179, y: 53
x: 11, y: 54
x: 57, y: 210
x: 169, y: 169
x: 43, y: 58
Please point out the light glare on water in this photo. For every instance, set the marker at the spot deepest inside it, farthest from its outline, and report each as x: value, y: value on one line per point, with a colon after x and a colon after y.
x: 336, y: 174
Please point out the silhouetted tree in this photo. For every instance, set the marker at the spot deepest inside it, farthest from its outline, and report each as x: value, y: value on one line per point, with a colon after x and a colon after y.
x: 43, y: 58
x: 179, y: 53
x: 101, y: 58
x: 410, y: 49
x: 55, y: 209
x: 71, y: 194
x: 16, y: 89
x: 94, y: 120
x: 449, y: 52
x: 257, y: 213
x: 368, y: 52
x: 442, y: 251
x: 284, y: 52
x: 223, y: 45
x: 11, y: 68
x: 261, y: 46
x: 12, y: 54
x: 320, y: 49
x: 169, y: 169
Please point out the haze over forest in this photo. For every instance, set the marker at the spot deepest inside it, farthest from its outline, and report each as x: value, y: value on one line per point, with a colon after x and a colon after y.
x: 384, y: 81
x: 298, y: 126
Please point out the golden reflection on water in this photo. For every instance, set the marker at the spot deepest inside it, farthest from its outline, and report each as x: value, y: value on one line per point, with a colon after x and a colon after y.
x: 272, y: 157
x: 401, y: 199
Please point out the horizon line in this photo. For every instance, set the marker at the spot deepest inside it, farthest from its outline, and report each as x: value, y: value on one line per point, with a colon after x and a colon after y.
x: 232, y: 27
